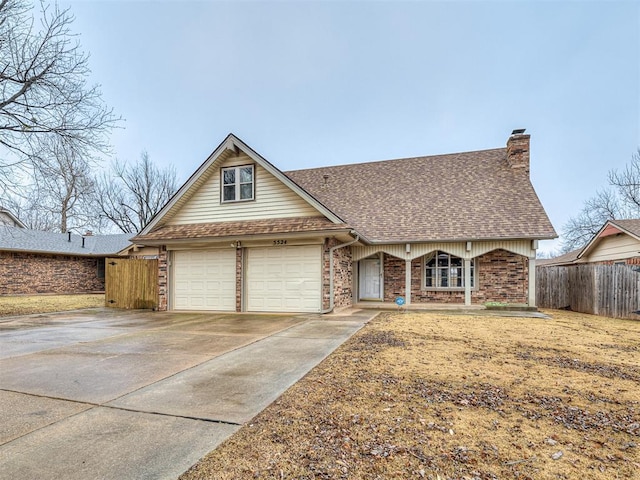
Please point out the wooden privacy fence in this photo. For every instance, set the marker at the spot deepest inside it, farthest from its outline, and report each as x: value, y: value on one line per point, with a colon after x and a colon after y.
x: 131, y: 283
x: 608, y: 290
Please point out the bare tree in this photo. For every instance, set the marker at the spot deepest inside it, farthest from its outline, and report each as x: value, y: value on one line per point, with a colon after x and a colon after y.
x: 627, y: 183
x: 621, y: 200
x: 44, y: 93
x: 59, y: 194
x: 130, y: 195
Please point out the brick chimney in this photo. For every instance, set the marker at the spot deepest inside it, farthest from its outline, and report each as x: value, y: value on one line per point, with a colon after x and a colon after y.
x: 518, y: 150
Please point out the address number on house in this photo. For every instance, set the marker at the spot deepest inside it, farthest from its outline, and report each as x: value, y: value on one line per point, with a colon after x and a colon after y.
x: 279, y: 242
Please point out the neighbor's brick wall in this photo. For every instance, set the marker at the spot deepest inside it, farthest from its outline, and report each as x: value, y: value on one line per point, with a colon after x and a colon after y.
x: 502, y: 277
x: 163, y: 290
x: 627, y: 261
x: 29, y: 273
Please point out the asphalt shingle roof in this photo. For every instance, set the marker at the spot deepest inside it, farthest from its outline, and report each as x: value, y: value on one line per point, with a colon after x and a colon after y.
x: 24, y: 240
x: 565, y: 259
x: 631, y: 225
x: 246, y: 227
x: 461, y: 196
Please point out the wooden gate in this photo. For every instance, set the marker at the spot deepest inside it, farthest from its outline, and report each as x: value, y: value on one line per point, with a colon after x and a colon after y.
x: 131, y: 283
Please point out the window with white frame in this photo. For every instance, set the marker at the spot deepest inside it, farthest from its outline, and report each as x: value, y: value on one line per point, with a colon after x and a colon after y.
x: 237, y: 183
x: 445, y: 271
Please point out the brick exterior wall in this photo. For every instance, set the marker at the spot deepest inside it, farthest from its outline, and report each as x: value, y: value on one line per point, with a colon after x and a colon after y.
x: 163, y: 286
x: 30, y: 273
x: 626, y: 261
x: 239, y: 275
x: 502, y: 277
x: 342, y: 275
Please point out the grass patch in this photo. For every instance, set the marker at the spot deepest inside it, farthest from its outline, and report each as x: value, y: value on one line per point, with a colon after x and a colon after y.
x: 25, y: 305
x: 428, y: 395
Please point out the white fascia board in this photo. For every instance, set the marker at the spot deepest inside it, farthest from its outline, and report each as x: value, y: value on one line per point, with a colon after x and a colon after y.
x: 624, y: 230
x: 226, y: 143
x: 286, y: 180
x: 594, y: 239
x: 231, y: 142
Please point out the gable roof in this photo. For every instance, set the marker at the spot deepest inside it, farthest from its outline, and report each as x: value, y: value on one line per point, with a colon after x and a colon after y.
x: 630, y: 227
x: 461, y: 196
x: 8, y: 214
x: 230, y: 145
x: 35, y: 241
x: 454, y: 197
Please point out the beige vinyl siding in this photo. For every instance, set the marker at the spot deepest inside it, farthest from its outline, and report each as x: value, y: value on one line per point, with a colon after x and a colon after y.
x: 273, y: 199
x: 615, y: 247
x: 459, y: 249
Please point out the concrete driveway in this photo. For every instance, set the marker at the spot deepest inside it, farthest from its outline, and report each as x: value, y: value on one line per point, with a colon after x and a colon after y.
x: 112, y: 394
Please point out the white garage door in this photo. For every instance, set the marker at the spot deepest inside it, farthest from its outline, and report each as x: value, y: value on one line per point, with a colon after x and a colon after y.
x: 204, y: 280
x: 284, y: 279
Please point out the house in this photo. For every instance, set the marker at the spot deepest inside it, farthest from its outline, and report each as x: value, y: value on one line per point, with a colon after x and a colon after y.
x: 241, y: 235
x: 617, y: 242
x: 8, y: 218
x: 37, y: 262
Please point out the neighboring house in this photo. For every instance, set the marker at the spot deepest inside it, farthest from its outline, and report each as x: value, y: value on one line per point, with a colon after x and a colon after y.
x: 241, y: 235
x: 35, y: 262
x: 618, y: 241
x: 133, y: 250
x: 8, y: 218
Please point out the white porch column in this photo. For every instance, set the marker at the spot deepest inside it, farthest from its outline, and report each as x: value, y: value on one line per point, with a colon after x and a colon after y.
x: 467, y: 282
x: 532, y: 282
x: 407, y: 282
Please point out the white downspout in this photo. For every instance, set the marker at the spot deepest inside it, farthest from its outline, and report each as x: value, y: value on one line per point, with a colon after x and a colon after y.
x: 331, y: 286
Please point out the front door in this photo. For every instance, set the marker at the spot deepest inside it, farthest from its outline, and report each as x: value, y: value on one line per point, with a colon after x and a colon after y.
x: 370, y: 279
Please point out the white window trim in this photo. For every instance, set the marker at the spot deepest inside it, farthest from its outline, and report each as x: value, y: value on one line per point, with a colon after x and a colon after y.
x: 237, y: 184
x: 448, y: 289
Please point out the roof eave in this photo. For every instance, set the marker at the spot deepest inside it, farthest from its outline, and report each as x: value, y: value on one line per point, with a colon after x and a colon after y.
x: 451, y: 240
x: 227, y: 238
x: 53, y: 252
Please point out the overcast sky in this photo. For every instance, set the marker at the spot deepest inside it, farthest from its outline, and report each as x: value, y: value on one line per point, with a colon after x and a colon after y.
x: 310, y: 84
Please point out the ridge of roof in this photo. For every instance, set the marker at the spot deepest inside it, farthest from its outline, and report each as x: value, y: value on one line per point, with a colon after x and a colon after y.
x: 402, y: 159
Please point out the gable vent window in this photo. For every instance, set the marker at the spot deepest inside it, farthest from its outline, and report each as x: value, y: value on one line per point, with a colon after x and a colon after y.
x: 237, y: 184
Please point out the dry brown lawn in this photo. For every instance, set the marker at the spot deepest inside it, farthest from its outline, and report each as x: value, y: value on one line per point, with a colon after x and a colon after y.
x: 24, y: 305
x: 454, y: 397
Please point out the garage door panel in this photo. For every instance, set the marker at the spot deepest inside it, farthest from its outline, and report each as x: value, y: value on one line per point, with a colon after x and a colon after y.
x: 204, y: 280
x: 284, y: 279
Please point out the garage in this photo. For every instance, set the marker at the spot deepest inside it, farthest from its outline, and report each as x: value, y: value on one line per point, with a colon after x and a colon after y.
x: 204, y: 280
x: 284, y: 279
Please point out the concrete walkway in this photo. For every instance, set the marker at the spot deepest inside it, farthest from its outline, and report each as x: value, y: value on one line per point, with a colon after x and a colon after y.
x: 138, y: 395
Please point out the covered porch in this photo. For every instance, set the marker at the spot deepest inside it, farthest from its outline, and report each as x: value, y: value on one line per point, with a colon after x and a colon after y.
x: 384, y: 272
